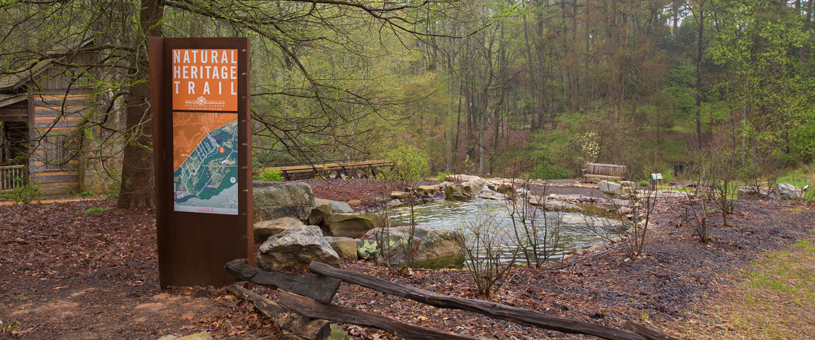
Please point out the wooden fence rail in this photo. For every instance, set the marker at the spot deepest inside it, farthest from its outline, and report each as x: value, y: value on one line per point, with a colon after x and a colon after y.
x: 9, y: 175
x: 316, y: 304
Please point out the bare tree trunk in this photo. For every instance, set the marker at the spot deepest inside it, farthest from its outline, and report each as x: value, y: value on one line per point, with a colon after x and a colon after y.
x: 137, y: 189
x: 700, y: 35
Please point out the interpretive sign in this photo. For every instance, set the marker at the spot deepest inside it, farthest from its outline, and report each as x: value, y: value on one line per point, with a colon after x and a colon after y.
x: 205, y: 79
x: 205, y: 159
x: 202, y: 156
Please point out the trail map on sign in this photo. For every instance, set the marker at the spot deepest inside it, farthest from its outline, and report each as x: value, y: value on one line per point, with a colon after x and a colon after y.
x: 205, y: 162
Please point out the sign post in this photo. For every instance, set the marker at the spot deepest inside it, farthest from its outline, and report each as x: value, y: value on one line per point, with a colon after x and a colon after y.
x: 202, y: 157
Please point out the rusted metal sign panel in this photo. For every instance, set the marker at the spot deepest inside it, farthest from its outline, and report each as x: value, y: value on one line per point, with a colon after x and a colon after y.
x: 202, y: 151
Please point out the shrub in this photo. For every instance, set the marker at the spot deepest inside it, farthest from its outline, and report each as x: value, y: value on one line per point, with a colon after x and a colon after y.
x: 482, y: 244
x: 113, y: 189
x: 271, y: 174
x: 544, y: 171
x: 644, y: 183
x: 535, y: 234
x: 25, y: 192
x: 442, y: 175
x: 409, y: 165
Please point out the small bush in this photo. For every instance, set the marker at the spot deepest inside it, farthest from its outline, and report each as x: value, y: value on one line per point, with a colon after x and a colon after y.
x: 87, y: 193
x: 543, y: 171
x: 113, y: 189
x: 409, y: 165
x: 441, y: 176
x: 644, y: 183
x: 271, y: 174
x: 481, y: 243
x: 25, y: 192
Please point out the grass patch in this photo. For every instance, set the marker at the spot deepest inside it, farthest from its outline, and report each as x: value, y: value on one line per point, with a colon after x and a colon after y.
x: 773, y: 300
x: 94, y: 210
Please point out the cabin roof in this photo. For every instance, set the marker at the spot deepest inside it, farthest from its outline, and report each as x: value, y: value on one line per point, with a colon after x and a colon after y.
x: 13, y: 81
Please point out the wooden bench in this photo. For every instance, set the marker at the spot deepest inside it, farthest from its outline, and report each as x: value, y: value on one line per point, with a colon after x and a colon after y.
x: 603, y: 171
x: 352, y: 169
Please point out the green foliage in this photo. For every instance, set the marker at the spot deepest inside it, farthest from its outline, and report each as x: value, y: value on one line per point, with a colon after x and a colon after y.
x: 93, y: 210
x: 87, y: 193
x: 644, y: 183
x: 271, y: 174
x: 409, y: 165
x: 113, y: 189
x: 543, y: 171
x: 442, y: 175
x: 24, y: 192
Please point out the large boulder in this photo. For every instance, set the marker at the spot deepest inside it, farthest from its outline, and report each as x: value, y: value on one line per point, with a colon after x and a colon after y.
x: 319, y: 213
x: 436, y: 248
x: 297, y: 247
x: 463, y: 191
x: 747, y: 192
x: 265, y: 229
x: 428, y: 190
x: 492, y: 195
x: 400, y: 195
x: 337, y: 206
x: 551, y: 204
x: 457, y: 192
x: 610, y: 188
x: 784, y: 191
x: 345, y: 247
x: 351, y: 225
x: 578, y: 221
x: 506, y: 189
x: 462, y: 178
x: 273, y: 200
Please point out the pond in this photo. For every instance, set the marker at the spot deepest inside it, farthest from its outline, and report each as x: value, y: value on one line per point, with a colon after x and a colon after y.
x: 577, y: 231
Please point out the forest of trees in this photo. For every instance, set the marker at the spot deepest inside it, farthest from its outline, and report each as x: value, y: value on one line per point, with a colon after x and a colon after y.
x: 501, y: 87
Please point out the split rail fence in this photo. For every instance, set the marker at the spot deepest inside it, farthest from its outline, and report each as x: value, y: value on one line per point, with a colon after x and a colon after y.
x: 305, y: 307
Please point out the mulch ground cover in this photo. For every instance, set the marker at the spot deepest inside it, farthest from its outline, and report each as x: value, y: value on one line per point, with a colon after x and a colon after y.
x: 93, y: 275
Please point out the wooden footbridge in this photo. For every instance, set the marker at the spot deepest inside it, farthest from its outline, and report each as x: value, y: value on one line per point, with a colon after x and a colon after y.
x: 357, y: 169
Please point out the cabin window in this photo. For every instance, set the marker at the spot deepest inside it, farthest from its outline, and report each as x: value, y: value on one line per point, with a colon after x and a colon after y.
x: 56, y: 151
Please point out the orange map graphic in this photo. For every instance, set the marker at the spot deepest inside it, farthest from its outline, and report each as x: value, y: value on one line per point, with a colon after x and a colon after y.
x: 190, y: 128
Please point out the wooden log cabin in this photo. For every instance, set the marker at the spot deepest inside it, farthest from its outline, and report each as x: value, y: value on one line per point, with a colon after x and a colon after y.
x: 42, y: 127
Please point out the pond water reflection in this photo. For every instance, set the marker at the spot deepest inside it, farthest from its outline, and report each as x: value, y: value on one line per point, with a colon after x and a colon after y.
x: 577, y: 231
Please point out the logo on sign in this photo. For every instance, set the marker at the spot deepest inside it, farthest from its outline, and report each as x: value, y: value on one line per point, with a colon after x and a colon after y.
x: 202, y: 102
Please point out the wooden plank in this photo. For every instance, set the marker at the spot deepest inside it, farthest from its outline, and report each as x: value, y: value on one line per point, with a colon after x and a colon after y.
x: 318, y: 310
x: 493, y: 310
x: 51, y: 119
x: 317, y: 287
x: 283, y: 318
x: 60, y: 184
x: 62, y: 123
x: 44, y: 178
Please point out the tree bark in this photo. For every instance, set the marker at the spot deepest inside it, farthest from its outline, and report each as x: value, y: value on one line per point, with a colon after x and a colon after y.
x: 137, y: 187
x: 701, y: 18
